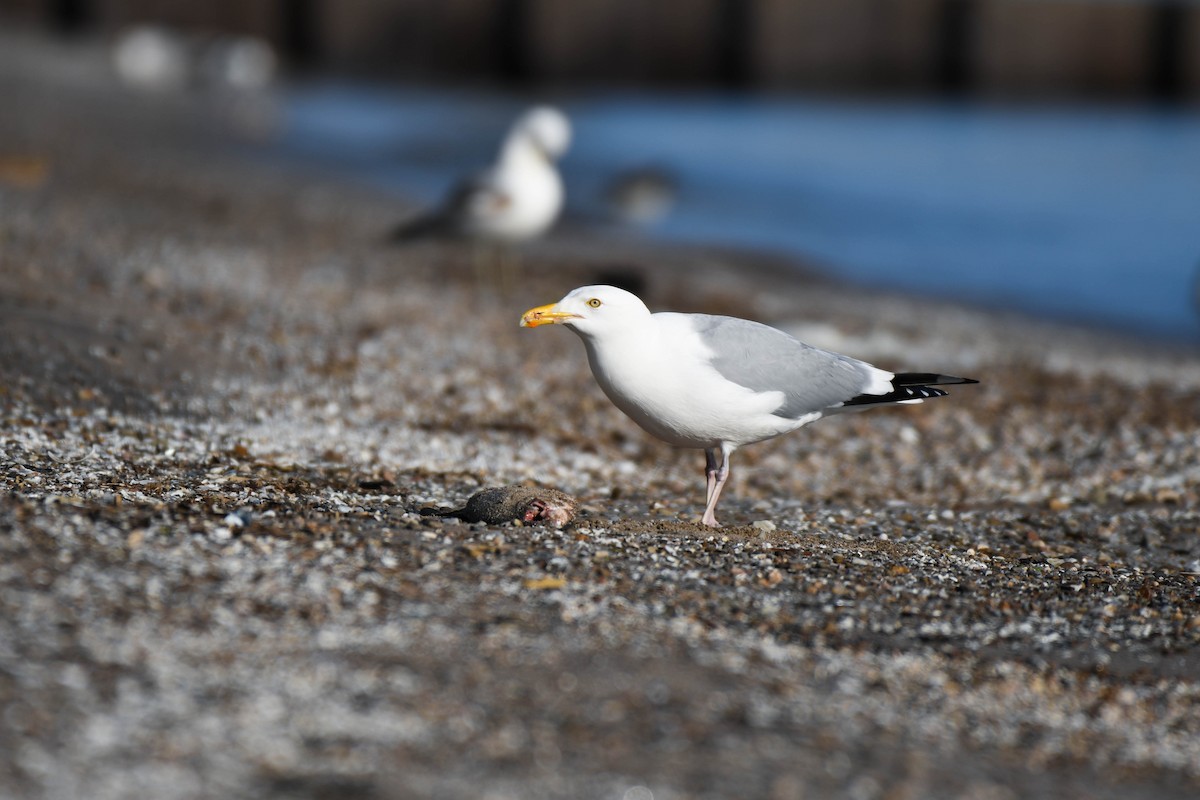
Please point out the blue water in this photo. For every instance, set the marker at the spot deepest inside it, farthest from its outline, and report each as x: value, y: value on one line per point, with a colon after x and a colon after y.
x: 1079, y: 213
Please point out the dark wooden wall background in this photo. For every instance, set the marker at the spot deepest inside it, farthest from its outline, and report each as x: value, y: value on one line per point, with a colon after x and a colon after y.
x: 1020, y: 48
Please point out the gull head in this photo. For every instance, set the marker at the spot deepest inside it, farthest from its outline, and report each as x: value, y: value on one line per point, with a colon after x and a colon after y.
x: 546, y: 128
x: 591, y: 311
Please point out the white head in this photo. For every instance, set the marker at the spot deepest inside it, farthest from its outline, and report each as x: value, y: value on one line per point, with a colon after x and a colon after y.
x: 545, y: 128
x: 591, y: 311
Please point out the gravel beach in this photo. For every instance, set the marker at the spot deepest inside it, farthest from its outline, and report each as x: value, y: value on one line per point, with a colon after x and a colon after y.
x: 224, y: 399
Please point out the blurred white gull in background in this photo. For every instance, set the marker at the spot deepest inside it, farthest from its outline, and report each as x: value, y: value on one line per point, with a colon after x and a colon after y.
x: 517, y: 199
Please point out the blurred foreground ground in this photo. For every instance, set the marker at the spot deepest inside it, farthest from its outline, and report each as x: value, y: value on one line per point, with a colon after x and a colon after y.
x: 223, y: 399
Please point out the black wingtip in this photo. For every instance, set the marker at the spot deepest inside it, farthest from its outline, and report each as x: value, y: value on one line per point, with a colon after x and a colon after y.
x: 928, y: 379
x: 910, y: 386
x: 416, y: 228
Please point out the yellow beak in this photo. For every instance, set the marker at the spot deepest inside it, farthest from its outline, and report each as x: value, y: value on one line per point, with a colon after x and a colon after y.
x: 545, y: 315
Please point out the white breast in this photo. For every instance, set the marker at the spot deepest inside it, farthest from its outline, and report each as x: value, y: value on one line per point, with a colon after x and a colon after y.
x: 661, y: 378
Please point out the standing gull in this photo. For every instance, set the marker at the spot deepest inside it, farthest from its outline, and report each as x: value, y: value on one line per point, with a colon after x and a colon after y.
x: 717, y: 383
x: 517, y: 198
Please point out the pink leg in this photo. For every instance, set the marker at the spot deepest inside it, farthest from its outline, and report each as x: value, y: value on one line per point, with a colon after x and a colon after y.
x: 717, y: 483
x: 710, y: 473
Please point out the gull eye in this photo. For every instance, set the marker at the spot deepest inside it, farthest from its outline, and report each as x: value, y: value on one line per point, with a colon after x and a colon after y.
x: 594, y: 303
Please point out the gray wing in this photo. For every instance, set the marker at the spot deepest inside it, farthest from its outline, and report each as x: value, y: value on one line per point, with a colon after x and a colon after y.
x: 480, y: 196
x: 476, y: 197
x: 765, y: 359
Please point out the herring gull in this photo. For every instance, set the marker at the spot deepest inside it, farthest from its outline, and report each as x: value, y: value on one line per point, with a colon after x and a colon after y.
x: 517, y: 198
x: 716, y: 383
